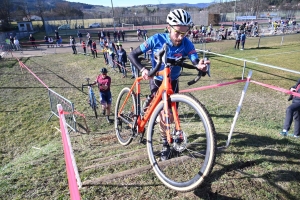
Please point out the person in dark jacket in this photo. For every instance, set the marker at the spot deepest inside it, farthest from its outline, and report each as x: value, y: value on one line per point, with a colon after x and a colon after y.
x: 94, y: 49
x: 32, y: 40
x: 90, y: 42
x: 73, y: 44
x: 293, y: 111
x: 122, y: 58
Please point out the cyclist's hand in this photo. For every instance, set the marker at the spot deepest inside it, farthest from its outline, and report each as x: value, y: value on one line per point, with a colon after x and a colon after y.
x: 293, y: 89
x: 145, y: 74
x: 202, y: 65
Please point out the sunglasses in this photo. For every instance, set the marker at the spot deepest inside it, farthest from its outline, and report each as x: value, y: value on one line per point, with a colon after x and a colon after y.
x: 179, y: 32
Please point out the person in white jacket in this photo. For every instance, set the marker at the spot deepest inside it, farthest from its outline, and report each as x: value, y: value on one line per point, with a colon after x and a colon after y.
x: 17, y: 44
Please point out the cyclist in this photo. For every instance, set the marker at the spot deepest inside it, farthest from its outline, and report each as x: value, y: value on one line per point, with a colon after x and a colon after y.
x: 179, y: 23
x: 103, y: 82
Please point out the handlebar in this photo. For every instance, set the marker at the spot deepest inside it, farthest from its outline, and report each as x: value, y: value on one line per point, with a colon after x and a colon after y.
x: 161, y: 57
x: 85, y: 85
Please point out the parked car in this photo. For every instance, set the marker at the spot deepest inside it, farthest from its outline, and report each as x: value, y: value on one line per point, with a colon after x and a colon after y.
x: 95, y: 25
x: 65, y: 26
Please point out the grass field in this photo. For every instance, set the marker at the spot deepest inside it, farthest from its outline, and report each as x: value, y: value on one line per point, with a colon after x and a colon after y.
x: 259, y: 164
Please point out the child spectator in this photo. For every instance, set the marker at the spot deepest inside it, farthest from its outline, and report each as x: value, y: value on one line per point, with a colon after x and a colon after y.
x: 50, y: 39
x: 84, y: 47
x: 243, y: 40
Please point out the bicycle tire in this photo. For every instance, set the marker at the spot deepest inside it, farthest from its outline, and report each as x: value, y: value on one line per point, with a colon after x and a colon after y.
x: 94, y: 105
x: 125, y: 134
x: 191, y: 160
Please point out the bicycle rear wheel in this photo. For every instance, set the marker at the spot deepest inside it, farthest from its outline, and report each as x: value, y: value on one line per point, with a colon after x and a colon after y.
x: 122, y: 124
x: 192, y: 158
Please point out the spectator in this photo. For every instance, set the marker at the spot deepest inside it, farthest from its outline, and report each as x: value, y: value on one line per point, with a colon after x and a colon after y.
x: 101, y: 44
x: 122, y: 58
x: 94, y: 49
x: 104, y: 82
x: 115, y: 36
x: 145, y: 36
x: 32, y: 39
x: 17, y: 44
x: 79, y: 34
x: 133, y: 70
x: 99, y: 35
x: 123, y: 35
x: 88, y: 36
x: 73, y: 44
x: 11, y: 41
x: 50, y: 39
x: 56, y: 36
x: 293, y: 111
x: 102, y: 34
x: 90, y: 42
x: 119, y: 35
x: 105, y: 50
x: 138, y: 32
x: 84, y: 47
x: 237, y: 41
x: 243, y: 40
x: 108, y: 35
x: 46, y: 39
x: 166, y: 30
x: 60, y: 41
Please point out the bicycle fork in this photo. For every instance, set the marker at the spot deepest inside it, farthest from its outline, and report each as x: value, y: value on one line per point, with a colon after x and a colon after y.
x: 170, y: 115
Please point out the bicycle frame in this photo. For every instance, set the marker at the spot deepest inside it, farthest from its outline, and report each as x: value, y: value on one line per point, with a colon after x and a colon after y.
x: 164, y: 92
x: 92, y: 98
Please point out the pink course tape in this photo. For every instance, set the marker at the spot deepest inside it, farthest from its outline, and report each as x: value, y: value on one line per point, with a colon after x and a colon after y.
x: 74, y: 192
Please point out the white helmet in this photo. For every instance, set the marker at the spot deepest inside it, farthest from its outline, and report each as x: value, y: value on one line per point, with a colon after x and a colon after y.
x: 179, y: 17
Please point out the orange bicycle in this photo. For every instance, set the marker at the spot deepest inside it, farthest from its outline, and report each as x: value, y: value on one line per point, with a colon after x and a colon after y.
x: 187, y: 124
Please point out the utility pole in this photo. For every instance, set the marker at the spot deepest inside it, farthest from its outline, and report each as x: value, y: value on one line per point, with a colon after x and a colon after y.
x: 234, y: 10
x: 112, y: 7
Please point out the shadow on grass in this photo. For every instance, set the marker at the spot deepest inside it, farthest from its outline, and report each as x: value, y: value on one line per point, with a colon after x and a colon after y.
x: 261, y: 48
x: 235, y: 170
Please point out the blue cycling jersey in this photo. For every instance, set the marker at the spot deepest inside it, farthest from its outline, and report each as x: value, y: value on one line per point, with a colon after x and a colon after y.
x: 156, y: 42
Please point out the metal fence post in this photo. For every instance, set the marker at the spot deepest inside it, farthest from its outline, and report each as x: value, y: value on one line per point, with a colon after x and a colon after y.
x: 244, y: 69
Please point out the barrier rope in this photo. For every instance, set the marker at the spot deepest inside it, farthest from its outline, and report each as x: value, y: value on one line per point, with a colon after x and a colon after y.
x: 22, y: 65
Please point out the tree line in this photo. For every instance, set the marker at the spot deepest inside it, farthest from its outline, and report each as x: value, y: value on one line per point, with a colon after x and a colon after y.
x: 17, y: 10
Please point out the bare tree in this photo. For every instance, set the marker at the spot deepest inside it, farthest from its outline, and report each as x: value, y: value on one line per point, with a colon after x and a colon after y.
x: 24, y: 10
x: 65, y: 10
x: 40, y: 10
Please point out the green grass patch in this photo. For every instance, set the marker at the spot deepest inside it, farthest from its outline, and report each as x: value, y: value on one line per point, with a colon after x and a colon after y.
x: 259, y: 164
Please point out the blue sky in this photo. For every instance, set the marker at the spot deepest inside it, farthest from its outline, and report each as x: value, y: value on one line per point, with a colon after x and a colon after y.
x: 126, y: 3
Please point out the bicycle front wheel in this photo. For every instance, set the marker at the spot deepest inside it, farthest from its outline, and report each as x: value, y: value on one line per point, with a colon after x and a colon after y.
x: 190, y: 158
x: 93, y: 104
x: 125, y: 120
